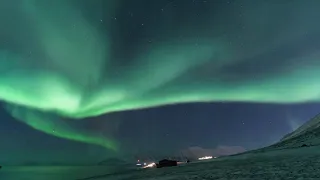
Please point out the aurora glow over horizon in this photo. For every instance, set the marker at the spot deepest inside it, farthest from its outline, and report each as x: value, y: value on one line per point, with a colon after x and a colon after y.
x: 70, y: 65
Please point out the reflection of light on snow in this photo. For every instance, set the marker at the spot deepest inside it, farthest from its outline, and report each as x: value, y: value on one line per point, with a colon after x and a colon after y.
x: 205, y: 158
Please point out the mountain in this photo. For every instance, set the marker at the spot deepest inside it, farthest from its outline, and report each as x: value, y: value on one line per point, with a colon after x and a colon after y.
x: 311, y: 125
x: 306, y: 135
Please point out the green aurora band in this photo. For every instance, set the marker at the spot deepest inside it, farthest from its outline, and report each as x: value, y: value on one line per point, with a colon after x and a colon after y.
x: 59, y: 63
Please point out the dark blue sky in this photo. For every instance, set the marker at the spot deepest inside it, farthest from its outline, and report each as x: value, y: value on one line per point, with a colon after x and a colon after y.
x: 211, y: 124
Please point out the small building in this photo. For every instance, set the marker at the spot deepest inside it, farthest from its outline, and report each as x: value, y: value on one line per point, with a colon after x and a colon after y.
x: 166, y: 163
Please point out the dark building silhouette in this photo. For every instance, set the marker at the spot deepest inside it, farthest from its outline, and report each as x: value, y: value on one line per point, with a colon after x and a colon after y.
x: 166, y: 163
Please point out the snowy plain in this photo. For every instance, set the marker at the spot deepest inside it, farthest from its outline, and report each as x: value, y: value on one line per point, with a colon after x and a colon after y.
x: 296, y: 163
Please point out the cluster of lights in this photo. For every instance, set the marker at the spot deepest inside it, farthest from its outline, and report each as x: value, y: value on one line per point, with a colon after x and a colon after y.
x: 150, y: 165
x: 205, y: 158
x: 145, y: 165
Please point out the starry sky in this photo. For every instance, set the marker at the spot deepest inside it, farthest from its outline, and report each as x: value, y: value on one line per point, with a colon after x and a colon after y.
x: 117, y: 78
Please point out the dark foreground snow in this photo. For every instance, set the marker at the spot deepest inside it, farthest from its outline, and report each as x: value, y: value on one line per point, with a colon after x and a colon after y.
x: 296, y: 163
x: 300, y: 163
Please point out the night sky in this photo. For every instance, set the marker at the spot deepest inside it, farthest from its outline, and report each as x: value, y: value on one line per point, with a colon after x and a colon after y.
x: 81, y: 81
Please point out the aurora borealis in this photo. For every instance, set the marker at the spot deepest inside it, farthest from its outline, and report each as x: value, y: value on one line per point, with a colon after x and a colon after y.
x: 70, y: 60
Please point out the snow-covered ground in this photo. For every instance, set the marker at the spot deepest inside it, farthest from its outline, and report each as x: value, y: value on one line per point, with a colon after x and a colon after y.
x: 303, y: 163
x: 284, y: 160
x: 299, y: 163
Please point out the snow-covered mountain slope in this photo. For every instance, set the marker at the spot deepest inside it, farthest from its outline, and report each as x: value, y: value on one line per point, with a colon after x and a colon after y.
x: 306, y: 135
x: 311, y: 125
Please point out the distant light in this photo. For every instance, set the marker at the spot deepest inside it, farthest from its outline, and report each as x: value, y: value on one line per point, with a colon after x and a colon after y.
x: 205, y: 158
x: 144, y: 163
x: 150, y: 165
x: 138, y: 164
